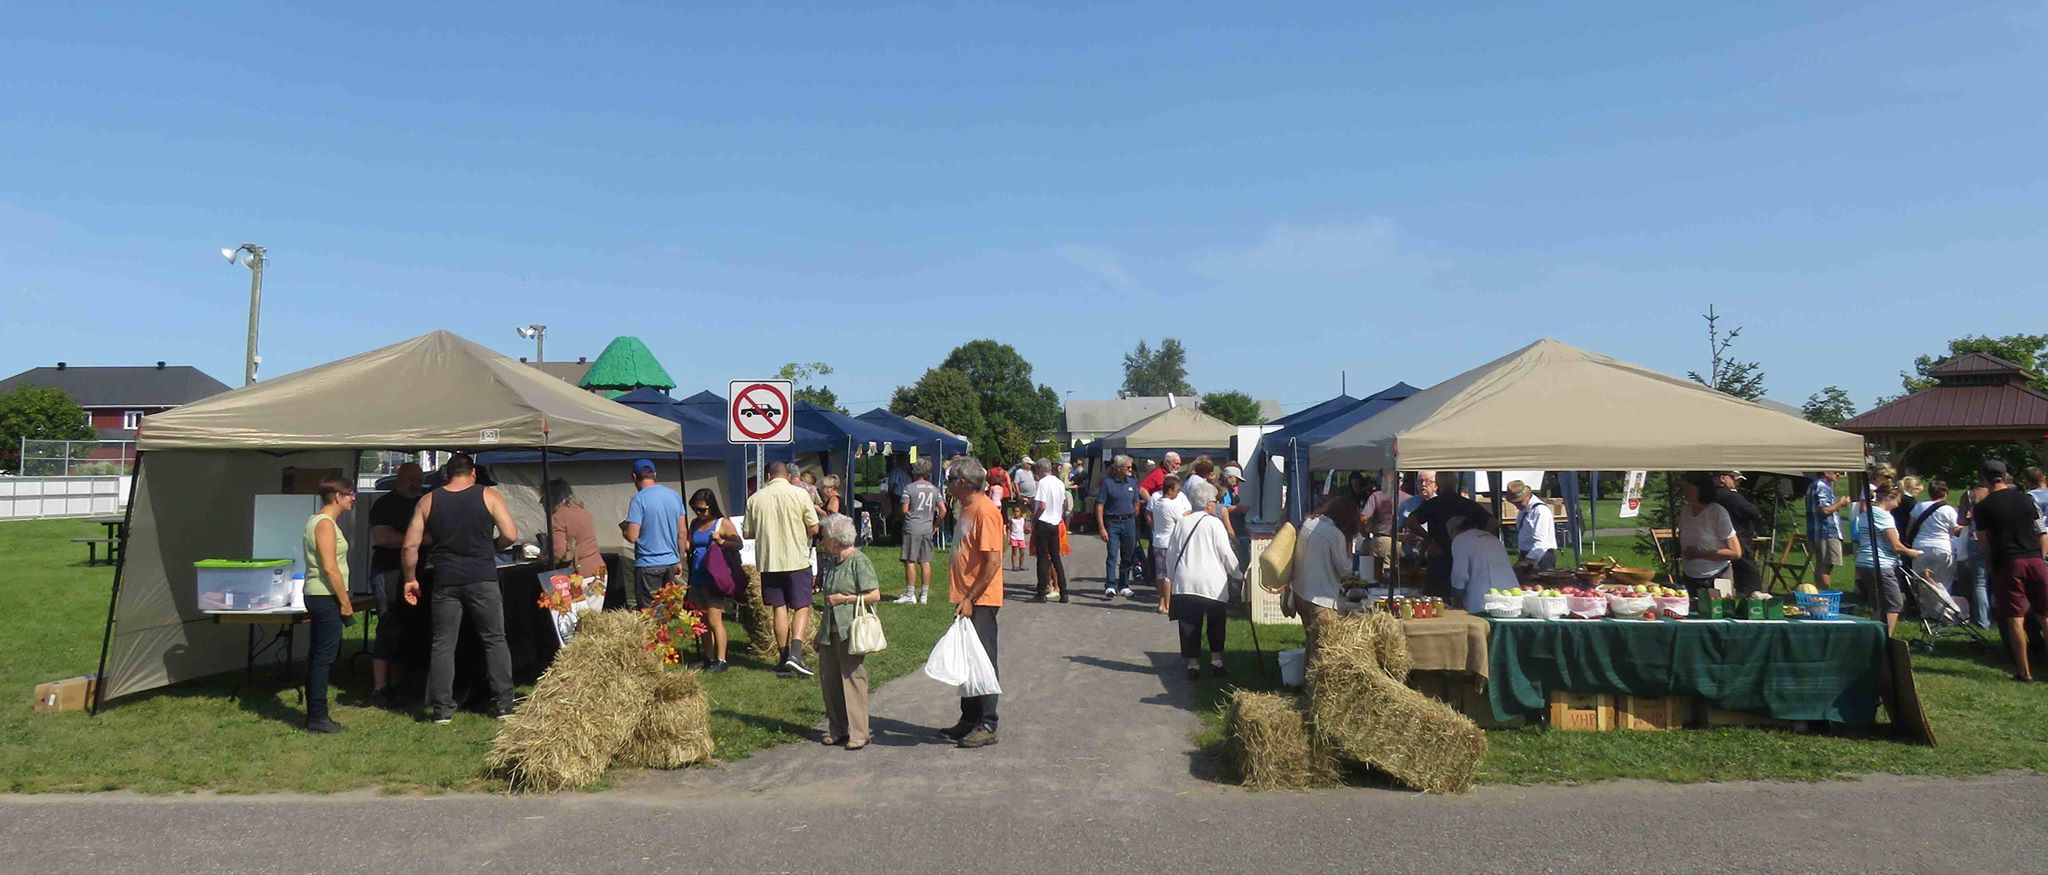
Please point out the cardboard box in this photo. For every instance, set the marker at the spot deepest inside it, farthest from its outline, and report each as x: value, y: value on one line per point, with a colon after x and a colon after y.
x: 69, y: 694
x: 1663, y: 712
x: 1581, y: 712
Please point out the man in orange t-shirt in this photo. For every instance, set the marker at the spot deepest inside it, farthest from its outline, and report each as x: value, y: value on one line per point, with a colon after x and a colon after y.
x: 976, y: 574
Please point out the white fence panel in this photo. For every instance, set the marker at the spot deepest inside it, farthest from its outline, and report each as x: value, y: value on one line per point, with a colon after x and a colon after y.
x: 27, y: 498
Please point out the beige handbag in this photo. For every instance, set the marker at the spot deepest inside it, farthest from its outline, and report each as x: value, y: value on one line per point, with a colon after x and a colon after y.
x: 864, y: 635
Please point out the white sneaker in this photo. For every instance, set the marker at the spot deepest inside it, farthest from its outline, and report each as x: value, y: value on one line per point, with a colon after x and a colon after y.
x: 923, y: 595
x: 1109, y: 592
x: 1126, y: 592
x: 909, y: 597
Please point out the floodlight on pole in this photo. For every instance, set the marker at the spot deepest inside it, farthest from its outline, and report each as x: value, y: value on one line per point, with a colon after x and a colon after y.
x: 537, y: 333
x: 256, y: 257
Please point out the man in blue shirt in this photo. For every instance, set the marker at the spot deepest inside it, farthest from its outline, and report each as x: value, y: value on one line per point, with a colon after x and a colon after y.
x: 1116, y: 518
x: 654, y: 526
x: 1823, y: 528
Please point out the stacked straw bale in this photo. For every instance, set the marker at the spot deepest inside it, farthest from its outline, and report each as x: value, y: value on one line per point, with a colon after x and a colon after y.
x: 1361, y: 710
x: 760, y: 624
x: 676, y: 730
x: 1272, y: 744
x: 587, y: 706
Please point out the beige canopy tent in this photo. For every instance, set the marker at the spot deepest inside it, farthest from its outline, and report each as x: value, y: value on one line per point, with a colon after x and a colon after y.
x: 199, y: 467
x: 1182, y: 428
x: 1554, y: 406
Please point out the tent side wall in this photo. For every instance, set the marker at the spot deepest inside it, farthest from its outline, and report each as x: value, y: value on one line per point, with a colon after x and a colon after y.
x: 188, y: 505
x: 603, y: 488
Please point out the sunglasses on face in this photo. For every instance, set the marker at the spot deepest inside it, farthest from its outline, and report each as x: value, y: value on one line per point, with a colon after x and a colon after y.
x: 699, y: 509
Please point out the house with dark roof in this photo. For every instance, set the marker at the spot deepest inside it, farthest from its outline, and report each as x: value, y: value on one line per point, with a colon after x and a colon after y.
x: 116, y: 398
x: 568, y: 372
x: 1976, y: 398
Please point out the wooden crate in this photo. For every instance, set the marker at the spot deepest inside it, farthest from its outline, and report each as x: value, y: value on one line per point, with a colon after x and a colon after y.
x: 1663, y: 712
x: 1581, y: 712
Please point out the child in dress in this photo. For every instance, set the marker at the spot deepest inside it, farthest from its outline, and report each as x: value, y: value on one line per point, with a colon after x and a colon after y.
x: 1019, y: 537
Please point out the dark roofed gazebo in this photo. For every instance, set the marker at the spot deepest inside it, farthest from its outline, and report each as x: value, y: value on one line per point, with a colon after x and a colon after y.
x: 1977, y: 398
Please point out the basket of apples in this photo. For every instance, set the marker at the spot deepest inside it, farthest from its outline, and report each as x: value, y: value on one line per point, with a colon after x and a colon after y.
x: 1672, y: 604
x: 1632, y: 602
x: 1504, y: 602
x: 1585, y: 602
x: 1542, y: 602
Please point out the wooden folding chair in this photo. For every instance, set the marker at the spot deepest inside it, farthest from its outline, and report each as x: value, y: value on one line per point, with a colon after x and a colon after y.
x: 1666, y: 562
x: 1784, y: 569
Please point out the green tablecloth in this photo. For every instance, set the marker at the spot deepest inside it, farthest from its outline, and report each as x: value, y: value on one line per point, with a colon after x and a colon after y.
x: 1792, y: 670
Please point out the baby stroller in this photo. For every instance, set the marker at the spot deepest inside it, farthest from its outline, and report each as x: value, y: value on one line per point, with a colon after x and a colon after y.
x: 1940, y: 615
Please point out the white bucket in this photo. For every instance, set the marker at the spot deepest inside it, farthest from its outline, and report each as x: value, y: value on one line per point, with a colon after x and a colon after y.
x: 1293, y: 667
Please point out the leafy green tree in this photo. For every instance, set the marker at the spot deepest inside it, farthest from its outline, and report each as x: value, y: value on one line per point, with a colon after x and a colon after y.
x: 1742, y: 379
x: 946, y: 398
x: 39, y: 413
x: 1234, y: 407
x: 1007, y: 397
x: 2029, y: 351
x: 1830, y: 407
x: 804, y: 375
x: 1154, y: 372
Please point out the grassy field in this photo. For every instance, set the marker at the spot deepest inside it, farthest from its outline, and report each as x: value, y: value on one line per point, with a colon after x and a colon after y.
x: 1985, y: 723
x: 197, y: 736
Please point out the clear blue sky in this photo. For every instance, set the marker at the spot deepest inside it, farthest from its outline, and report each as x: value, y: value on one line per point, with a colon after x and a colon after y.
x: 1399, y: 191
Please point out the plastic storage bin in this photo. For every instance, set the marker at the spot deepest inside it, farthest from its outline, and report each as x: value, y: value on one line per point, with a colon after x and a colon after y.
x: 245, y: 584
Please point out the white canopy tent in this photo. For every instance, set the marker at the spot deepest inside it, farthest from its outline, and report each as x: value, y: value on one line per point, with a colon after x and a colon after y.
x: 1554, y: 406
x: 198, y: 468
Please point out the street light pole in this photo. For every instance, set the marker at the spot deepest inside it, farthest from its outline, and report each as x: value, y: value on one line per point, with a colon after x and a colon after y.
x: 538, y: 334
x: 257, y: 258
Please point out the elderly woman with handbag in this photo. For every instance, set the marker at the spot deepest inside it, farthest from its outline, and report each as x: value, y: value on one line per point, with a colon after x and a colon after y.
x: 847, y: 632
x: 1200, y: 564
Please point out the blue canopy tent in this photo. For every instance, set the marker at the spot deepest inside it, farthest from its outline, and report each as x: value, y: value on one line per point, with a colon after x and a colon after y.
x: 1317, y: 412
x: 850, y: 436
x: 1293, y: 442
x: 938, y: 444
x: 806, y: 439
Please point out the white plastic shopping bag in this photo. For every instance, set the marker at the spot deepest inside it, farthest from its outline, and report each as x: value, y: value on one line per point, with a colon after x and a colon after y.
x: 959, y: 660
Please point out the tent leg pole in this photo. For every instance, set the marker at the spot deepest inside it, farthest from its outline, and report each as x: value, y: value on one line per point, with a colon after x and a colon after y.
x: 1394, y: 561
x: 99, y: 690
x: 547, y: 515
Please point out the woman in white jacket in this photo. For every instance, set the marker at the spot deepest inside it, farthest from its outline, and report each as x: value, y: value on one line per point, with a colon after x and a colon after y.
x: 1199, y: 567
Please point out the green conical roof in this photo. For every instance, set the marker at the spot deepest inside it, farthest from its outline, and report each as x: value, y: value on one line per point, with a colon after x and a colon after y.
x: 624, y: 365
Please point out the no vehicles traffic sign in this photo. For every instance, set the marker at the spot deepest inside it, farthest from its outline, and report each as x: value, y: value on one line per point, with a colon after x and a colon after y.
x: 760, y: 412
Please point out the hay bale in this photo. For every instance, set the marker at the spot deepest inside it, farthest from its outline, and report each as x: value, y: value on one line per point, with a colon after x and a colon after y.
x: 1361, y: 710
x: 583, y: 710
x: 1272, y: 745
x: 1353, y: 640
x: 676, y: 730
x: 759, y: 623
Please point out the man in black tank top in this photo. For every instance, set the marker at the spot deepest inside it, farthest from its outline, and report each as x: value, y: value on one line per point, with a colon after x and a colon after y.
x: 461, y: 517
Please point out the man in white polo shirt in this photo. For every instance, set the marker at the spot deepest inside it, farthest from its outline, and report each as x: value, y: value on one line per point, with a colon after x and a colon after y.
x: 1535, y: 528
x: 1048, y: 509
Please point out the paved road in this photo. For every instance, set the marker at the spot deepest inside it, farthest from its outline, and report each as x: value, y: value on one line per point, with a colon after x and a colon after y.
x: 1095, y: 773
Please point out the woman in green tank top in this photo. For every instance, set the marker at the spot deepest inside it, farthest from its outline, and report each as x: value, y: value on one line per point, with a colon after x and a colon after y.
x: 327, y: 601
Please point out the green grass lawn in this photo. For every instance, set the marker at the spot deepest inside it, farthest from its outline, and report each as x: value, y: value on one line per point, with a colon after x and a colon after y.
x: 197, y: 736
x: 1984, y: 721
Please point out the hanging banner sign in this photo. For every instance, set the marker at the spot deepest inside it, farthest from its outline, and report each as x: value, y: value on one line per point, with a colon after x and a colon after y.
x: 1632, y: 495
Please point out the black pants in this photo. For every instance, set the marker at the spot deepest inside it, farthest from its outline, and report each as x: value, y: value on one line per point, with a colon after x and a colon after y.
x: 1045, y: 541
x: 981, y: 710
x: 647, y: 580
x: 1748, y: 578
x: 325, y: 613
x: 483, y: 606
x: 1193, y: 612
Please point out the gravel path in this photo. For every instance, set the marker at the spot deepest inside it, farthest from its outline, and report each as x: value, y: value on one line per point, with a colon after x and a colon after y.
x: 1095, y: 773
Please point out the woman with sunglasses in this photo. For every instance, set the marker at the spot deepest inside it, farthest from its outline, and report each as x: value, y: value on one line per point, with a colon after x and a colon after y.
x: 710, y: 529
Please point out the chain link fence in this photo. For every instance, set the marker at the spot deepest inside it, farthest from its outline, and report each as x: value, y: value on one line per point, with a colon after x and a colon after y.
x: 40, y: 458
